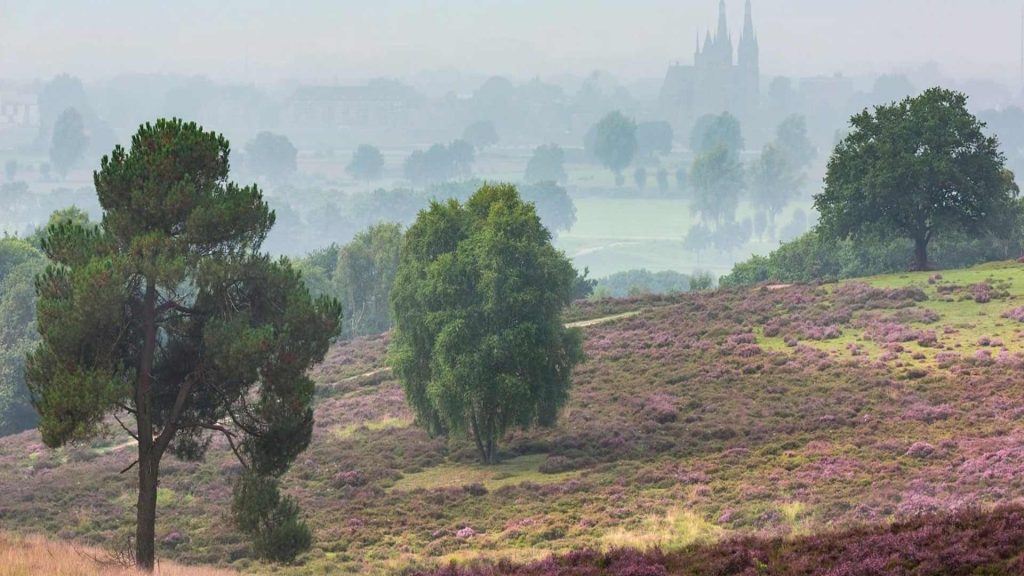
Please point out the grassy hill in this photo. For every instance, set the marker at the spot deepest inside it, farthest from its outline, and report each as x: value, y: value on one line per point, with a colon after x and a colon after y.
x: 775, y: 413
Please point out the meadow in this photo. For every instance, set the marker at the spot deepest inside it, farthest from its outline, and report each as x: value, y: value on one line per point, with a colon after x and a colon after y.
x: 782, y: 426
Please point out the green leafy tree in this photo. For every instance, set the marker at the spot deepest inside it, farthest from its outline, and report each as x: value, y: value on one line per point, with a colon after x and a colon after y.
x: 711, y: 133
x: 718, y: 185
x: 20, y: 262
x: 481, y: 134
x: 364, y: 276
x: 662, y: 180
x: 170, y: 320
x: 774, y: 182
x: 614, y: 142
x: 271, y: 155
x: 546, y: 164
x: 640, y: 177
x: 317, y: 269
x: 913, y: 169
x: 682, y: 179
x: 479, y: 344
x: 440, y: 163
x: 367, y: 163
x: 553, y: 204
x: 792, y: 140
x: 701, y: 281
x: 583, y: 286
x: 653, y: 139
x: 69, y: 142
x: 461, y: 155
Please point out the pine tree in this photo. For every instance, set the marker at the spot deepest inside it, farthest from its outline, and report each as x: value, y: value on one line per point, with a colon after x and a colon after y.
x: 168, y: 320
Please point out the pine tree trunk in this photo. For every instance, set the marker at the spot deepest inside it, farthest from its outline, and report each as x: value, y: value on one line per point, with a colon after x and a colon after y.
x: 149, y: 458
x: 145, y: 520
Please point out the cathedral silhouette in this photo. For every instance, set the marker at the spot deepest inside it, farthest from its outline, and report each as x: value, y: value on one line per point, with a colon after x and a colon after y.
x: 720, y: 79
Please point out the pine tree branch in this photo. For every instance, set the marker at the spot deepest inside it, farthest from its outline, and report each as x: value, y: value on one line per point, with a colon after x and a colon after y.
x: 130, y: 433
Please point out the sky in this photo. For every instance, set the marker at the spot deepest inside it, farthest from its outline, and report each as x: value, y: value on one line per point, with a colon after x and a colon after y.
x: 266, y: 41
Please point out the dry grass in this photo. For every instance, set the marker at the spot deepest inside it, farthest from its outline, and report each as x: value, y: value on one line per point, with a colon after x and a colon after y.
x: 35, y: 555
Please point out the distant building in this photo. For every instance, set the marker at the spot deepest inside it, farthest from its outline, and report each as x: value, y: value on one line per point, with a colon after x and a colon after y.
x: 18, y: 110
x: 378, y: 104
x: 719, y: 80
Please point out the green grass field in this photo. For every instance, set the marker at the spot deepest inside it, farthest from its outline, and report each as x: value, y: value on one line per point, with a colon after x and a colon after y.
x: 617, y: 234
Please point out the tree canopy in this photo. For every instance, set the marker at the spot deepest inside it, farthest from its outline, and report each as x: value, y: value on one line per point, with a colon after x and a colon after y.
x: 774, y: 182
x: 914, y: 169
x: 271, y: 155
x: 713, y: 132
x: 367, y: 163
x: 69, y: 141
x: 479, y: 344
x: 364, y: 275
x: 718, y: 185
x: 481, y: 134
x: 440, y: 163
x: 554, y: 206
x: 653, y: 138
x: 20, y: 262
x: 546, y: 164
x: 168, y: 315
x: 791, y: 139
x: 614, y: 142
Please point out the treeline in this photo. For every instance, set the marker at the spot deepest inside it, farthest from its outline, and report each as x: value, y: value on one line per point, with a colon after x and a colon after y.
x: 308, y: 219
x: 814, y: 257
x: 632, y: 283
x: 916, y: 184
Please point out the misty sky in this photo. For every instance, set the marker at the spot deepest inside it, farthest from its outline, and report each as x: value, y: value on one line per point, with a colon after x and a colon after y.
x: 342, y: 40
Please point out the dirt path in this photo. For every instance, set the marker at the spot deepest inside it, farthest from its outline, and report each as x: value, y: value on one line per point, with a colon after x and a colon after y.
x: 606, y: 319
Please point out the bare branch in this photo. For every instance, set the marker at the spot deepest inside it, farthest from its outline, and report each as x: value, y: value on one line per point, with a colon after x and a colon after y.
x: 173, y: 305
x: 129, y: 467
x: 130, y: 433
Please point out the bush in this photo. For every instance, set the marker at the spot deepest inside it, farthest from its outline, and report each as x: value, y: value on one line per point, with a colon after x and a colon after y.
x: 284, y: 536
x: 270, y: 520
x: 812, y: 258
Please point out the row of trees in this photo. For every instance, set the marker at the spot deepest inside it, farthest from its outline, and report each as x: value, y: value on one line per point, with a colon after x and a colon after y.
x: 719, y: 180
x: 361, y: 272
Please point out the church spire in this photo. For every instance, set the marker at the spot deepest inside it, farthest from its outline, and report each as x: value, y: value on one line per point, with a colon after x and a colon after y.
x: 748, y: 23
x: 723, y: 26
x: 748, y: 49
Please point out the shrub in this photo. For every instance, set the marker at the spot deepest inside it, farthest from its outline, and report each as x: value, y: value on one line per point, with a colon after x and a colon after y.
x: 272, y: 521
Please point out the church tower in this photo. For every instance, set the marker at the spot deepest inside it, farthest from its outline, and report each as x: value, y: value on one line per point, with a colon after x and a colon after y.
x: 749, y: 64
x: 723, y: 78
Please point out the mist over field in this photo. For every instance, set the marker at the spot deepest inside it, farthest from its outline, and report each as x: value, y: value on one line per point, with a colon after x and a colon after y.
x: 512, y: 287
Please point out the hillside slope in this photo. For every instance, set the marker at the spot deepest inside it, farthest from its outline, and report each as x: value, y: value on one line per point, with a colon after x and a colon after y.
x: 776, y: 412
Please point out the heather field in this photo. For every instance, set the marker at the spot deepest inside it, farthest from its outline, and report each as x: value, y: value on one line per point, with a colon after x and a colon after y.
x: 870, y: 427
